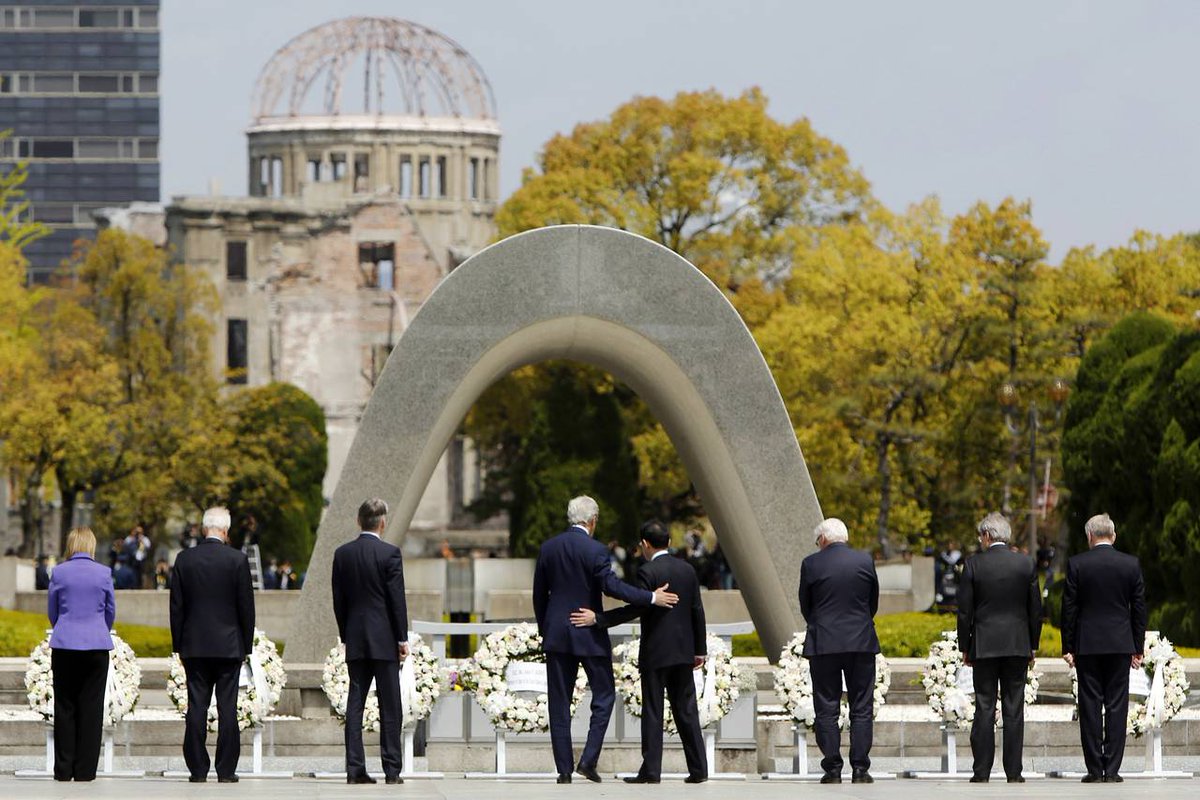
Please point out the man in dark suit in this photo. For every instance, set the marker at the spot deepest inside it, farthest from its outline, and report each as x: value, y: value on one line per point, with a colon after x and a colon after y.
x: 672, y: 645
x: 372, y: 618
x: 572, y: 572
x: 1103, y: 635
x: 839, y: 595
x: 212, y: 629
x: 999, y: 625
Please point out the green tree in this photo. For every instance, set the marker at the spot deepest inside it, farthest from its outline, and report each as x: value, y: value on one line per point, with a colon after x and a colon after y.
x: 1132, y: 450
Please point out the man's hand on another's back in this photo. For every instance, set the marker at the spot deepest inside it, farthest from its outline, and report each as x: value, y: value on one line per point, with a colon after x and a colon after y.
x: 664, y: 598
x: 583, y: 617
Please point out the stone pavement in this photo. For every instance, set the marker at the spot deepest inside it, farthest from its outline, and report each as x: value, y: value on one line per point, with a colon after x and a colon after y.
x: 12, y: 788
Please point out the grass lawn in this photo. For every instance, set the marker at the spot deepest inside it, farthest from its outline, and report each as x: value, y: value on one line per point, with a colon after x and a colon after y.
x: 20, y: 632
x: 909, y: 635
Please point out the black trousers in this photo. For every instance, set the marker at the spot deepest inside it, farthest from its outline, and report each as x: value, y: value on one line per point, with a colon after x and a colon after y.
x: 204, y: 676
x: 1008, y: 674
x: 680, y: 689
x: 1103, y: 708
x: 79, y: 679
x: 386, y: 675
x: 827, y: 671
x: 561, y: 670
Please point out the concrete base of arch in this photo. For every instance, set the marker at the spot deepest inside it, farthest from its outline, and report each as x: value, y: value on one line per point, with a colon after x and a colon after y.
x: 622, y: 303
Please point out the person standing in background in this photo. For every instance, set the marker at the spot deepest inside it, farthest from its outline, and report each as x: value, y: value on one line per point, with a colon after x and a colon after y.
x: 82, y: 609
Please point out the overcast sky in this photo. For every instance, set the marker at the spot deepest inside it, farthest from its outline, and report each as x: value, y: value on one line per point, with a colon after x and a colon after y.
x: 1088, y: 108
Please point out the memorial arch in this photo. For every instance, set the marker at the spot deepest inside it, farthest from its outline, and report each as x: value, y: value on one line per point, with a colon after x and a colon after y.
x: 624, y: 304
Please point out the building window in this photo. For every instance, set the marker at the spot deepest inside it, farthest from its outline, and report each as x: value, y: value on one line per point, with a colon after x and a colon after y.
x: 423, y: 177
x: 443, y: 178
x: 406, y: 176
x: 338, y: 161
x: 485, y: 179
x: 362, y: 172
x: 313, y: 169
x: 235, y: 261
x: 51, y: 148
x: 95, y: 18
x: 236, y: 351
x: 473, y: 179
x: 377, y: 264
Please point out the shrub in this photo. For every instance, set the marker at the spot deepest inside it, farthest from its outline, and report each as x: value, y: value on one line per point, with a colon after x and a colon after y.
x: 20, y: 632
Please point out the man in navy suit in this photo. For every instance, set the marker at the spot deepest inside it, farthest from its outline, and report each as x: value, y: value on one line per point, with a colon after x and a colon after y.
x: 1103, y: 635
x: 572, y: 572
x: 372, y: 619
x: 839, y: 595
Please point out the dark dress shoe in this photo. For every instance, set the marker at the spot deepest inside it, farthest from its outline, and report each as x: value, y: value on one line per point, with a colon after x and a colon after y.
x: 1016, y: 779
x: 1091, y: 778
x: 831, y: 777
x: 564, y: 779
x: 364, y: 778
x: 227, y: 779
x: 641, y: 779
x: 197, y: 778
x: 589, y: 773
x: 979, y: 779
x: 695, y: 779
x: 1113, y: 779
x: 862, y: 776
x: 393, y: 779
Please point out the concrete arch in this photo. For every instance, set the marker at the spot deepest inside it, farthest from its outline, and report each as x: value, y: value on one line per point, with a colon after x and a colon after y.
x: 625, y: 304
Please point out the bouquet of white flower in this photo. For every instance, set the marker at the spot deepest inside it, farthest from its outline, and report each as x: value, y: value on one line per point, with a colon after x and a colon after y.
x: 721, y: 689
x: 487, y: 673
x: 947, y: 699
x: 1168, y: 686
x: 427, y: 685
x: 122, y: 688
x: 255, y: 701
x: 793, y: 684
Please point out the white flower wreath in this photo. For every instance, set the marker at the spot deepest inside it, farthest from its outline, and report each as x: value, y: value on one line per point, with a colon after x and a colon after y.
x: 793, y: 684
x: 121, y: 692
x: 719, y: 669
x: 485, y: 672
x: 954, y: 706
x: 255, y: 702
x: 335, y: 682
x: 1159, y: 656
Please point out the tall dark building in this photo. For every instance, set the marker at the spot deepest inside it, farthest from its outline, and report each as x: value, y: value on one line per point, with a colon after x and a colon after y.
x: 79, y: 91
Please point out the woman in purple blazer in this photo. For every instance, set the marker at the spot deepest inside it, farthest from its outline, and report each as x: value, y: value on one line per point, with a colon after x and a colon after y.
x: 82, y: 608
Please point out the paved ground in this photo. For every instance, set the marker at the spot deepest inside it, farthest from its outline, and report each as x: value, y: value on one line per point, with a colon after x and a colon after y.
x: 453, y: 789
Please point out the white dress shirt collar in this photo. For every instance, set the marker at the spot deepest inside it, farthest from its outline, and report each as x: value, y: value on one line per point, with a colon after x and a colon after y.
x: 370, y: 533
x: 659, y: 553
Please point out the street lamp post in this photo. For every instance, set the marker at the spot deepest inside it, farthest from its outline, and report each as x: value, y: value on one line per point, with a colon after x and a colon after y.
x: 1009, y: 401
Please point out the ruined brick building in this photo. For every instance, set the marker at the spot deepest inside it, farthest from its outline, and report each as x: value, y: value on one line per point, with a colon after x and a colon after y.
x: 354, y: 214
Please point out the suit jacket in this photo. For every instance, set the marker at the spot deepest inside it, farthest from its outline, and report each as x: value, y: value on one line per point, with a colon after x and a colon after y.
x: 81, y: 605
x: 368, y: 598
x: 999, y: 605
x: 670, y: 636
x: 1104, y: 604
x: 212, y: 602
x: 839, y: 595
x: 573, y: 570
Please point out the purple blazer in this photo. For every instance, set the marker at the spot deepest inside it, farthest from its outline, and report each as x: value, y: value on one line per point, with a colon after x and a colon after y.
x: 82, y: 606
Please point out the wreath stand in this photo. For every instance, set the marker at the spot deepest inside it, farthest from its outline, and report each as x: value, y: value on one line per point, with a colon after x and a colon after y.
x: 710, y: 757
x: 502, y: 772
x: 409, y: 733
x: 256, y: 770
x: 800, y: 761
x: 106, y: 771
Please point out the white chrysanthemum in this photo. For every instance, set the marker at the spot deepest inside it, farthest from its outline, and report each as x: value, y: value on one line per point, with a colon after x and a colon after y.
x: 120, y: 697
x: 252, y: 708
x: 719, y: 666
x: 793, y: 684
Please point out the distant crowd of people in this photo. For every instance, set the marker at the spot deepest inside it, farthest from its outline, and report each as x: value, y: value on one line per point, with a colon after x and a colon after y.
x: 711, y: 567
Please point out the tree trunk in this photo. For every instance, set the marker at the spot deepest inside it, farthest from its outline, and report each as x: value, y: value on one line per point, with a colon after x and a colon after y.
x: 882, y: 446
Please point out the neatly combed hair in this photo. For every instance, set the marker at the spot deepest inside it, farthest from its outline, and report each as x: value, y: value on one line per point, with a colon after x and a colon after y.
x: 833, y: 529
x: 371, y: 513
x: 995, y: 526
x: 582, y: 509
x: 216, y: 517
x: 1101, y: 526
x: 655, y: 533
x: 80, y: 540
